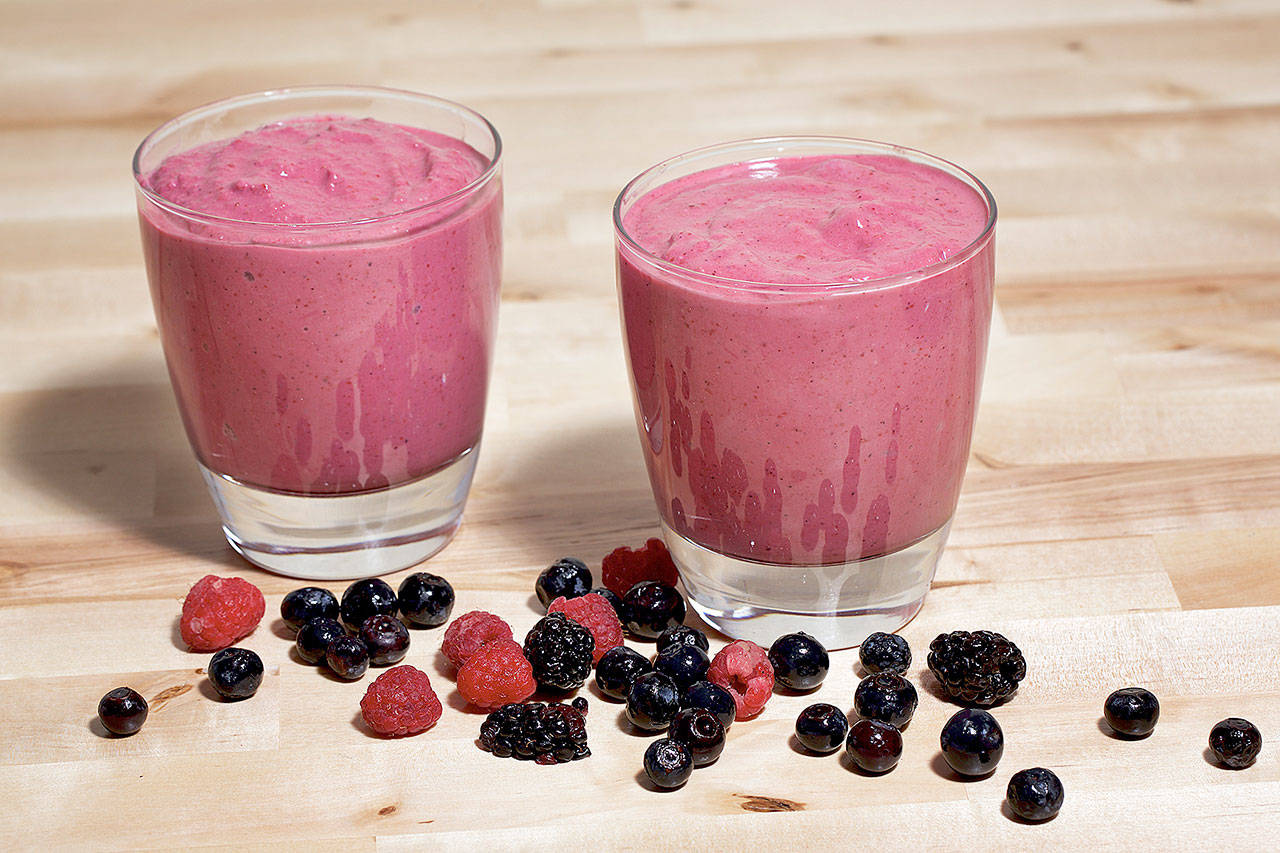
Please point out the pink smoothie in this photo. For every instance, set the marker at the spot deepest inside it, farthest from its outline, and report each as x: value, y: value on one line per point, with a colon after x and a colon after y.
x: 333, y: 359
x: 810, y: 412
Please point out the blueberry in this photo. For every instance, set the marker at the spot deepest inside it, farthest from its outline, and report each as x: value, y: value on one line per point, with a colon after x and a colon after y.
x: 881, y: 652
x: 302, y: 605
x: 668, y: 763
x: 683, y: 634
x: 1132, y: 711
x: 652, y: 608
x: 386, y: 638
x: 347, y: 657
x: 1035, y: 794
x: 799, y: 661
x: 652, y: 701
x: 821, y: 728
x: 315, y: 636
x: 713, y: 697
x: 701, y: 731
x: 972, y: 742
x: 235, y: 673
x: 122, y: 711
x: 615, y: 601
x: 426, y: 600
x: 365, y: 598
x: 874, y: 745
x: 684, y: 664
x: 886, y: 696
x: 1235, y: 742
x: 566, y: 577
x: 617, y: 668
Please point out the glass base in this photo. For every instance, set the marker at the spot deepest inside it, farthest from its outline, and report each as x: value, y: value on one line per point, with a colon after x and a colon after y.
x: 838, y: 604
x: 343, y: 537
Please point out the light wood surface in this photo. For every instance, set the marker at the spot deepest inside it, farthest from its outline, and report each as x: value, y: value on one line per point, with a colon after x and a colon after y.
x: 1120, y: 519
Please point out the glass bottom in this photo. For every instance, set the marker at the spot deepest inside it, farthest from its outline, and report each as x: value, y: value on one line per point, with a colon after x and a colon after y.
x: 838, y: 604
x: 343, y: 537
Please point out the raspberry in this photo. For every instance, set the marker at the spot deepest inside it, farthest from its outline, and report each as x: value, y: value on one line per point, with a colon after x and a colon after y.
x: 596, y: 614
x: 400, y: 702
x: 218, y: 611
x: 744, y: 670
x: 466, y: 634
x: 624, y: 568
x: 497, y: 674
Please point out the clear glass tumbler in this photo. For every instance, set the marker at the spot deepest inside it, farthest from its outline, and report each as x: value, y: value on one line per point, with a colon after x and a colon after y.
x: 805, y: 442
x: 331, y: 376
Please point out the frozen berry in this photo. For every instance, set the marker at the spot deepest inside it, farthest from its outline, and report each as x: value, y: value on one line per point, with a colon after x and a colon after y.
x: 683, y: 634
x: 1235, y: 743
x: 565, y: 578
x: 668, y: 763
x: 713, y: 697
x: 822, y: 728
x: 881, y: 652
x: 799, y: 661
x: 426, y: 600
x: 386, y: 638
x: 653, y: 701
x: 315, y: 636
x: 1035, y: 794
x: 886, y: 696
x: 972, y: 742
x: 597, y: 616
x: 743, y: 668
x: 618, y: 668
x: 980, y: 668
x: 652, y: 608
x: 698, y: 729
x: 235, y: 673
x: 560, y: 651
x: 547, y: 732
x: 365, y: 598
x: 218, y: 611
x: 683, y: 664
x: 623, y: 568
x: 400, y: 702
x: 347, y: 658
x: 302, y: 605
x: 496, y: 675
x: 615, y: 601
x: 579, y: 704
x: 469, y: 632
x: 122, y: 711
x: 1132, y: 711
x: 874, y: 745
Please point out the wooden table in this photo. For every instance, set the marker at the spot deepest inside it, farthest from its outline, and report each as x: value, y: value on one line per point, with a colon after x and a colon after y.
x: 1120, y: 519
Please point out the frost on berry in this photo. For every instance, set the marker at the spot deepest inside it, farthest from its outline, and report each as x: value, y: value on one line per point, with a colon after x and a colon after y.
x: 466, y: 634
x: 743, y: 668
x: 498, y: 673
x: 400, y: 702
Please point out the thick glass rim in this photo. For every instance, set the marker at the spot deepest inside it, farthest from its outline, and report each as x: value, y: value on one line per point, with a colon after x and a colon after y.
x: 284, y: 95
x: 782, y: 145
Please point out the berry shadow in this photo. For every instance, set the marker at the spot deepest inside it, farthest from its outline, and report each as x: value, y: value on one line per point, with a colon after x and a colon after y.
x: 357, y: 723
x: 847, y: 762
x: 1105, y: 728
x: 800, y: 749
x: 1214, y: 762
x: 281, y: 629
x: 97, y: 729
x: 940, y: 767
x: 1007, y: 811
x: 599, y: 695
x: 647, y: 783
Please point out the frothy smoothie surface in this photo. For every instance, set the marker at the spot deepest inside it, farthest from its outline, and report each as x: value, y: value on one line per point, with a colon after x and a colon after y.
x: 809, y: 220
x: 317, y: 169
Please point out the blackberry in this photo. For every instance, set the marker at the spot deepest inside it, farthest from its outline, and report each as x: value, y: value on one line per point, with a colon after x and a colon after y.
x: 683, y: 664
x: 972, y: 742
x: 668, y: 763
x: 567, y: 577
x: 980, y: 668
x: 386, y: 638
x: 122, y: 711
x: 347, y: 658
x: 886, y: 696
x: 618, y: 668
x: 652, y: 702
x: 1235, y: 743
x: 701, y: 731
x: 682, y: 634
x: 235, y: 673
x: 821, y: 728
x: 713, y: 697
x: 799, y: 661
x: 302, y: 605
x: 652, y: 608
x: 547, y: 732
x: 426, y: 600
x: 559, y: 650
x: 883, y: 652
x: 615, y: 601
x: 365, y: 598
x: 315, y: 636
x: 1132, y: 711
x: 874, y: 745
x: 1035, y: 794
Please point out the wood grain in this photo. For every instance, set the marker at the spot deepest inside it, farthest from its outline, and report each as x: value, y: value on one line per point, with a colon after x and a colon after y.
x: 1120, y: 518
